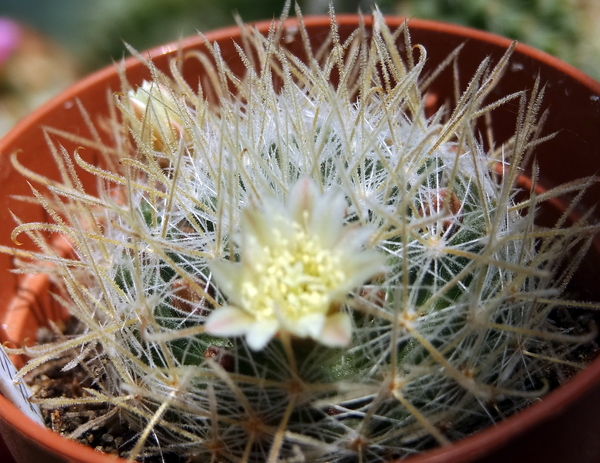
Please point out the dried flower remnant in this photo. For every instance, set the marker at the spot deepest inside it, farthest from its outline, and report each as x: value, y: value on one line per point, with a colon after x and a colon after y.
x: 298, y: 264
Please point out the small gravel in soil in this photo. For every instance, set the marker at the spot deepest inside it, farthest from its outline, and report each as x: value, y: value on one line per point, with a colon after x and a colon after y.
x: 110, y: 434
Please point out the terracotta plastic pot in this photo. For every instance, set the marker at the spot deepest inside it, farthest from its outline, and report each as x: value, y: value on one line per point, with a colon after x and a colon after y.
x: 564, y: 426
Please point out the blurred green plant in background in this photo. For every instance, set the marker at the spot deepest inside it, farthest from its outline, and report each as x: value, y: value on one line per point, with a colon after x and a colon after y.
x: 93, y: 32
x: 550, y: 25
x: 566, y: 29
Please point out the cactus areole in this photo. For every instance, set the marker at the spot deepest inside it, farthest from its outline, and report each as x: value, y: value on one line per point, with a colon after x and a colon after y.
x: 307, y: 241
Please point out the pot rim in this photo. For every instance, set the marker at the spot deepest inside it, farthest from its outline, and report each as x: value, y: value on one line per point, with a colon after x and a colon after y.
x: 468, y: 448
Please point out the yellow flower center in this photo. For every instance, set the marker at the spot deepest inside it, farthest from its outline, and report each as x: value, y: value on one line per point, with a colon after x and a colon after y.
x: 293, y: 275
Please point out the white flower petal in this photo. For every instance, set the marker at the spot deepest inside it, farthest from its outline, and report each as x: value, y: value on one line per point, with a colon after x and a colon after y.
x: 301, y: 198
x: 260, y: 333
x: 256, y: 230
x: 226, y: 276
x: 337, y: 330
x: 309, y: 325
x: 327, y: 220
x: 353, y: 237
x: 228, y: 321
x: 363, y: 266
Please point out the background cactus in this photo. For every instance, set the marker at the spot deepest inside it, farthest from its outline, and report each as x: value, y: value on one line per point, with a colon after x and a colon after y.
x: 442, y: 322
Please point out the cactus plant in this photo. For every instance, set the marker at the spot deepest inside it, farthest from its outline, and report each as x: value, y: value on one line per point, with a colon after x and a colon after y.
x: 309, y: 261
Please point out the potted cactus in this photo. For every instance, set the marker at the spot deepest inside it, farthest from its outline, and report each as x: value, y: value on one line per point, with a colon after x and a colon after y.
x: 315, y: 242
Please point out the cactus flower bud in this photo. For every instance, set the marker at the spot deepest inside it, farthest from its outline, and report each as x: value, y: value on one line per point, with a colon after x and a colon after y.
x: 155, y: 106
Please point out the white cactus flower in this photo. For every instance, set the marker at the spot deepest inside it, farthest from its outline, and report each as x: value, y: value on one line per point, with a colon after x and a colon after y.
x: 298, y: 264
